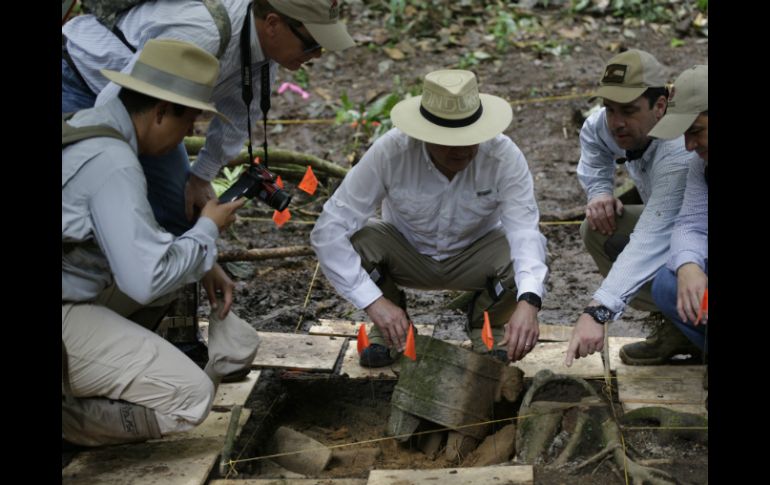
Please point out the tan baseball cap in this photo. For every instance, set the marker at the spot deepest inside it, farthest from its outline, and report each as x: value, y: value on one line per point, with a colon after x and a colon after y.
x: 172, y: 70
x: 451, y: 111
x: 689, y: 99
x: 628, y: 75
x: 320, y: 18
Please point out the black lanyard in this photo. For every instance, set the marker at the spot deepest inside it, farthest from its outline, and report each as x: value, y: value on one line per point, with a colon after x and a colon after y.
x: 246, y: 92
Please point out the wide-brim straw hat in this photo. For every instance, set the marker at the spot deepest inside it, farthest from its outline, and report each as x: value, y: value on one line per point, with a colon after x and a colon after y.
x: 451, y: 111
x: 174, y: 71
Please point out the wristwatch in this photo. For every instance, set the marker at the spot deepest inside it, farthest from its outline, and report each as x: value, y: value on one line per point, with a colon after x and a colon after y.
x: 600, y: 313
x: 532, y: 299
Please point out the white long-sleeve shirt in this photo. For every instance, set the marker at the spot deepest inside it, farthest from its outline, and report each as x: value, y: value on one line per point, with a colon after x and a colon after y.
x: 93, y: 47
x: 108, y: 228
x: 659, y: 176
x: 437, y: 216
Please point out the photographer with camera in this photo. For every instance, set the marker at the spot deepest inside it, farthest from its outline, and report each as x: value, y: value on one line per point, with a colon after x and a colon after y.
x: 121, y: 382
x: 458, y: 212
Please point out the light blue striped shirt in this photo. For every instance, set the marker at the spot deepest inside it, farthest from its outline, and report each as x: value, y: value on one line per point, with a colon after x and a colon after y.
x: 689, y: 241
x: 93, y: 47
x: 659, y: 176
x: 107, y: 218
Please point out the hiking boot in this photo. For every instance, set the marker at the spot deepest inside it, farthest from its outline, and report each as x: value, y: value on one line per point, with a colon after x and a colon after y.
x: 499, y: 354
x: 375, y: 355
x: 663, y: 343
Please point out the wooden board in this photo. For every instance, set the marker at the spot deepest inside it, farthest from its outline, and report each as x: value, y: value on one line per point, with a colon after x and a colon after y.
x: 293, y: 481
x: 679, y: 387
x: 509, y: 475
x: 179, y: 459
x: 550, y: 355
x: 349, y: 328
x: 298, y: 351
x: 555, y: 333
x: 232, y: 393
x: 353, y: 369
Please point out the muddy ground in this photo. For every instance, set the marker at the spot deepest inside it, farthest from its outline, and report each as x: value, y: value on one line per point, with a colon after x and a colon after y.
x: 272, y: 294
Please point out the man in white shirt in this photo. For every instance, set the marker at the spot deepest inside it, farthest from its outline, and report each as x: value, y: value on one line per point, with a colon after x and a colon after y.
x: 120, y: 381
x: 629, y: 242
x: 458, y: 212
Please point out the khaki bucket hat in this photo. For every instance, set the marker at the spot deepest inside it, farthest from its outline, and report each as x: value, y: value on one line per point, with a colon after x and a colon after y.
x: 628, y: 75
x: 174, y: 71
x: 451, y: 111
x: 320, y: 18
x: 690, y: 98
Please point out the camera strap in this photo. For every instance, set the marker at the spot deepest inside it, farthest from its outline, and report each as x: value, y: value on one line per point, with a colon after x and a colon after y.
x: 246, y: 79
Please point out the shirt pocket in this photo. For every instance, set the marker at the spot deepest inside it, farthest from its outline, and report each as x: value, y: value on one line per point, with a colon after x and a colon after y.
x: 477, y: 207
x: 419, y: 211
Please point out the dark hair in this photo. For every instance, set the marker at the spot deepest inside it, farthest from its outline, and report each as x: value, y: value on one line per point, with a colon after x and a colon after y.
x: 136, y: 102
x: 652, y: 95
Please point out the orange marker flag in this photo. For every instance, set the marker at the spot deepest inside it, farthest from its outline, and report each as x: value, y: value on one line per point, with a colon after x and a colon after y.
x: 280, y: 218
x: 309, y: 183
x: 704, y: 306
x: 256, y: 160
x: 486, y: 332
x: 279, y: 181
x: 409, y: 351
x: 363, y: 339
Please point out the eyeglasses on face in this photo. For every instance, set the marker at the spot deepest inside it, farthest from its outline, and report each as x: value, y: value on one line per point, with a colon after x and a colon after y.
x: 308, y: 43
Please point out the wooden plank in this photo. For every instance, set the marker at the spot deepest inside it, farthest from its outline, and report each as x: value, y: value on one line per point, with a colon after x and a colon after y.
x: 232, y: 393
x: 183, y: 462
x: 509, y: 475
x: 353, y: 369
x: 294, y: 481
x: 214, y: 426
x: 550, y: 355
x: 179, y: 459
x: 555, y: 333
x: 679, y: 387
x: 349, y: 328
x: 298, y: 351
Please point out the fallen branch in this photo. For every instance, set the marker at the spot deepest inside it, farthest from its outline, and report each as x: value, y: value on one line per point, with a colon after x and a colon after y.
x: 262, y: 254
x: 193, y: 144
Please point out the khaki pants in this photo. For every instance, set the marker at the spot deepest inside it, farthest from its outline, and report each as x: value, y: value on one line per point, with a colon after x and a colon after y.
x: 482, y: 265
x: 605, y: 249
x: 111, y: 356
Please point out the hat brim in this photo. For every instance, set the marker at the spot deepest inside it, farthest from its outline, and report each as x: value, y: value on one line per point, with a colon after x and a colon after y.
x: 620, y: 94
x: 495, y: 118
x: 143, y: 87
x: 672, y: 125
x: 333, y: 37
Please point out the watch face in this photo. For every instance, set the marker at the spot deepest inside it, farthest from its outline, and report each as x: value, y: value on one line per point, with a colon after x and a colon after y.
x: 601, y: 314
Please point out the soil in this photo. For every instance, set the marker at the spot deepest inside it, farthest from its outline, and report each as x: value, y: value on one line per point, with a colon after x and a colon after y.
x: 272, y: 294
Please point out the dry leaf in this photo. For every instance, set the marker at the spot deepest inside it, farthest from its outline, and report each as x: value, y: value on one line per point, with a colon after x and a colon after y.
x: 394, y: 53
x: 573, y: 33
x: 324, y: 93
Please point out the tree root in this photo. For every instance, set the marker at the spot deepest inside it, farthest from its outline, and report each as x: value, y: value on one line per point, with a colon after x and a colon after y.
x: 667, y: 418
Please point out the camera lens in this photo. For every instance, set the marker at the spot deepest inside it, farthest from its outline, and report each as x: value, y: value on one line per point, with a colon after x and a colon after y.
x: 279, y: 200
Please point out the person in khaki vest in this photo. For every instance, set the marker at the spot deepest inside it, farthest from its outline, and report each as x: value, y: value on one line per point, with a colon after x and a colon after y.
x: 121, y: 382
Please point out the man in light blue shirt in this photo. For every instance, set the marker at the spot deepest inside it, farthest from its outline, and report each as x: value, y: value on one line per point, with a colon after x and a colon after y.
x: 121, y: 382
x: 679, y: 287
x: 628, y: 242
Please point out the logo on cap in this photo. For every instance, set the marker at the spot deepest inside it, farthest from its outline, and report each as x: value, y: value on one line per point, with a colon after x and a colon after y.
x: 615, y: 73
x: 334, y: 10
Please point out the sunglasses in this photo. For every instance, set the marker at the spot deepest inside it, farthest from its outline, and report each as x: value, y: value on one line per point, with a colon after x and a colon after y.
x: 308, y: 43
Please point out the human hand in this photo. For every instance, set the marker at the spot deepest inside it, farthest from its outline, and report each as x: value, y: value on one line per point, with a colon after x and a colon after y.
x: 521, y: 331
x: 196, y: 193
x: 691, y: 283
x: 587, y: 338
x: 601, y: 212
x: 216, y: 280
x: 222, y: 214
x: 391, y: 320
